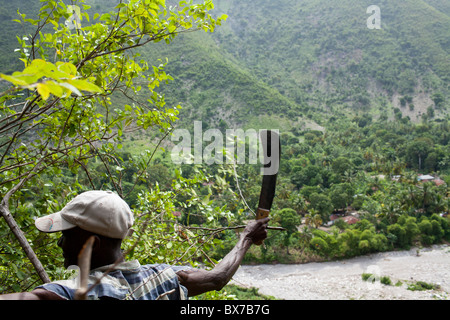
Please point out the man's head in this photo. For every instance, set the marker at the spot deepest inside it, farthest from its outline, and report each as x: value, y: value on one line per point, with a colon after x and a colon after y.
x: 104, y: 250
x: 102, y: 214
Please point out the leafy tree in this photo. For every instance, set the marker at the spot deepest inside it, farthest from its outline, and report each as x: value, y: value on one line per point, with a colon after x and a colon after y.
x: 307, y: 191
x: 341, y: 195
x: 417, y: 152
x: 437, y: 231
x: 433, y: 229
x: 438, y: 99
x: 411, y: 228
x: 289, y: 219
x: 311, y: 175
x: 59, y: 112
x: 313, y: 218
x: 430, y: 112
x: 319, y: 244
x: 324, y: 243
x: 322, y: 204
x: 349, y: 242
x: 342, y: 165
x: 399, y: 234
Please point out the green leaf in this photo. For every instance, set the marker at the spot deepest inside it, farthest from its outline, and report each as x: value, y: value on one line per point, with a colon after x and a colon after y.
x: 43, y: 90
x: 71, y: 88
x: 121, y: 5
x: 67, y: 67
x: 21, y: 275
x: 55, y: 88
x: 85, y: 86
x: 172, y: 27
x: 14, y: 80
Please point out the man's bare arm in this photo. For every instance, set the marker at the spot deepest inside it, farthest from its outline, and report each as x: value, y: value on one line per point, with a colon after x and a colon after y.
x: 198, y: 281
x: 37, y: 294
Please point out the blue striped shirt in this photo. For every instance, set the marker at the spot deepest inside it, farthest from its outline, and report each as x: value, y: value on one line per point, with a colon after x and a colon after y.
x: 129, y: 280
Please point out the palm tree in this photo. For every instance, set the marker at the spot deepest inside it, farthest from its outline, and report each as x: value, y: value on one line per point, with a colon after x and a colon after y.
x: 391, y: 211
x: 348, y: 175
x: 408, y: 198
x: 313, y: 219
x: 305, y: 237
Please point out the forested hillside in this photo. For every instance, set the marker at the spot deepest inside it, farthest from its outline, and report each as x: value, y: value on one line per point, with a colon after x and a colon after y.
x: 362, y: 114
x: 300, y: 60
x: 322, y: 57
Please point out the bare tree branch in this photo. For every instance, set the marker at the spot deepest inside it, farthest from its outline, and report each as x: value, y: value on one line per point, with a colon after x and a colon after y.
x: 84, y: 263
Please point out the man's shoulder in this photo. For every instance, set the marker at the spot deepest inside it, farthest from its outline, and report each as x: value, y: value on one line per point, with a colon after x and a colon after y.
x: 118, y: 281
x: 152, y: 267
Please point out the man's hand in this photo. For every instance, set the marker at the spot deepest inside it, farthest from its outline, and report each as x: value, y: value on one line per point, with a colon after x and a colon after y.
x: 198, y: 281
x: 256, y: 230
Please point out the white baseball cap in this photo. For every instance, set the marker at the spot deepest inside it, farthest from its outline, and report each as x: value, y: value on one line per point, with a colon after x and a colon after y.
x: 100, y: 212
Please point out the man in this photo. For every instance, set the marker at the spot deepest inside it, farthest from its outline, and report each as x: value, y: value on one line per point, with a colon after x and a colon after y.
x: 104, y: 216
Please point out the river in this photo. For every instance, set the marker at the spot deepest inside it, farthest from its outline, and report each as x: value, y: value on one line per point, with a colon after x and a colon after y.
x: 341, y: 280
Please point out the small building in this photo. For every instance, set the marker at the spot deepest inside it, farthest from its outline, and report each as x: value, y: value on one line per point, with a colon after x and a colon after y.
x: 336, y: 216
x: 425, y: 178
x: 350, y: 219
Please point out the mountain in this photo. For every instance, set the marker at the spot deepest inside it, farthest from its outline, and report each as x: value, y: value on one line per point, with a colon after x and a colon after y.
x: 212, y: 87
x: 291, y: 63
x: 317, y: 59
x: 10, y: 30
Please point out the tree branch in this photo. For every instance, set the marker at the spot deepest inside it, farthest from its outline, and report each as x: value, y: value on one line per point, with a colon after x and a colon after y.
x: 4, y: 209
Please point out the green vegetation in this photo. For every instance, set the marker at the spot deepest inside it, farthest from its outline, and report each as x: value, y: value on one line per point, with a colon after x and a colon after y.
x: 372, y: 278
x: 386, y: 280
x: 411, y: 285
x: 234, y: 292
x: 422, y: 286
x: 367, y: 277
x: 320, y: 57
x: 361, y: 113
x: 366, y: 170
x: 61, y: 134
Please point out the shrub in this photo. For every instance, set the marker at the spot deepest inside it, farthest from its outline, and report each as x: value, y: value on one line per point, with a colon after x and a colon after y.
x: 319, y: 244
x: 422, y: 286
x: 364, y: 246
x: 425, y: 226
x: 371, y: 277
x: 437, y: 231
x: 399, y: 234
x: 367, y: 277
x: 386, y: 280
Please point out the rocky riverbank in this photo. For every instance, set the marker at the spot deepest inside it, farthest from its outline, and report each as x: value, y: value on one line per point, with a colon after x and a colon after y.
x: 342, y: 280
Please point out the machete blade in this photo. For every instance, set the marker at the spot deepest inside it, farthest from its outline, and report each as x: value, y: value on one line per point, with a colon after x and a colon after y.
x: 270, y: 141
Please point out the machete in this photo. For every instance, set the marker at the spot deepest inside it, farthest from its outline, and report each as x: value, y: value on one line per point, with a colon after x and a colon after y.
x: 271, y: 147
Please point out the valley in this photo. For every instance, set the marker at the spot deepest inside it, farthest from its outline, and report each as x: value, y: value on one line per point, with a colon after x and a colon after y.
x: 362, y: 112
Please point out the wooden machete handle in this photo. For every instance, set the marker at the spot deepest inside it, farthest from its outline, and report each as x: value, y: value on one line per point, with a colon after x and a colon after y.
x: 261, y: 214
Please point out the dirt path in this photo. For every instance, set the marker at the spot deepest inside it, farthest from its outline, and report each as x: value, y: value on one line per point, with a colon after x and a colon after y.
x: 341, y: 280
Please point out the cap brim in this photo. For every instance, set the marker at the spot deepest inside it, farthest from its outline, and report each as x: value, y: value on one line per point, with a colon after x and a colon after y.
x: 53, y: 223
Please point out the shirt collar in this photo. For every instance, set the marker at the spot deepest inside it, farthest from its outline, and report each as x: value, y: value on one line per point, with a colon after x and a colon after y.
x: 131, y: 265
